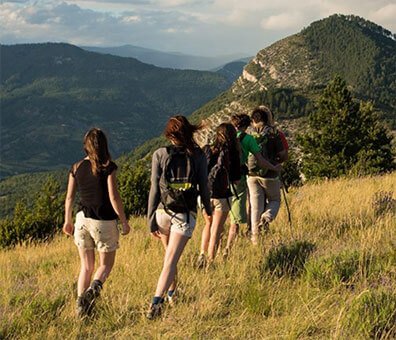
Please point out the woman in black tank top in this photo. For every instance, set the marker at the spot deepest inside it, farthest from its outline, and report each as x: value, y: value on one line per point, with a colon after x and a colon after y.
x: 96, y: 226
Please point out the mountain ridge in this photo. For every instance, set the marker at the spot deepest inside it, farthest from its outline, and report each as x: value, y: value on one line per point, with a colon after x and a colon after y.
x: 174, y: 60
x: 52, y: 93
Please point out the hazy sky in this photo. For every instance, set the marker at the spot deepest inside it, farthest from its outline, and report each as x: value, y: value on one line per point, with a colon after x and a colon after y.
x: 200, y: 27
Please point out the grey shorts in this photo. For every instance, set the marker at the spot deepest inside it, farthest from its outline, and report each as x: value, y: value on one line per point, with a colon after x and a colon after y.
x: 89, y: 233
x: 176, y: 223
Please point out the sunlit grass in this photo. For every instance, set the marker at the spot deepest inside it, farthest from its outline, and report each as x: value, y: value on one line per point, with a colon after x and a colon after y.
x: 332, y: 275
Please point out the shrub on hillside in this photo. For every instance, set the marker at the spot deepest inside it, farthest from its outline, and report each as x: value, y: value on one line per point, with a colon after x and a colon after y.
x: 292, y: 169
x: 37, y: 224
x: 342, y: 268
x: 134, y: 187
x: 288, y: 259
x: 344, y: 137
x: 372, y: 315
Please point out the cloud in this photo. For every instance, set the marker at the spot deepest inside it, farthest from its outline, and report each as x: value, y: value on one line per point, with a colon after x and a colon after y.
x: 386, y: 15
x: 191, y: 26
x: 131, y: 18
x: 282, y: 21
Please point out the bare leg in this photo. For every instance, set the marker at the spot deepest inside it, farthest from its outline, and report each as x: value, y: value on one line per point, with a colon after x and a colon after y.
x: 233, y: 232
x: 106, y: 265
x: 206, y: 233
x: 249, y: 213
x: 87, y: 258
x: 165, y: 242
x: 174, y: 250
x: 219, y: 218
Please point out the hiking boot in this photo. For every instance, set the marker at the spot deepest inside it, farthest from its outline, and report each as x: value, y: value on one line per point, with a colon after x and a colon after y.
x: 89, y: 296
x: 81, y: 307
x: 264, y: 225
x: 96, y: 287
x: 201, y: 261
x: 154, y: 311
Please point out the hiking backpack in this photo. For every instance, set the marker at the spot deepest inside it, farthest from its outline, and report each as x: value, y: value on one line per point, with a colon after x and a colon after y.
x: 218, y: 173
x: 244, y: 167
x: 178, y: 182
x: 265, y: 140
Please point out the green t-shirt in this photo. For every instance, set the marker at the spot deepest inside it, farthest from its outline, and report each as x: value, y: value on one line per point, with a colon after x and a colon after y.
x: 248, y: 144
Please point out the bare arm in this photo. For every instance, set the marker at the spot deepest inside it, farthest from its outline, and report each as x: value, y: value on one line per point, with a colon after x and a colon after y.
x: 70, y: 196
x: 283, y: 156
x: 116, y: 201
x: 266, y: 164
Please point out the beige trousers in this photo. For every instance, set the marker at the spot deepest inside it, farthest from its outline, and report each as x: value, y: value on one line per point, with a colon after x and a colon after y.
x: 264, y: 200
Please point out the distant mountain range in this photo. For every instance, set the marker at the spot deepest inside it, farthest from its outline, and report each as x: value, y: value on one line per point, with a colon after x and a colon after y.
x: 167, y: 59
x: 52, y: 93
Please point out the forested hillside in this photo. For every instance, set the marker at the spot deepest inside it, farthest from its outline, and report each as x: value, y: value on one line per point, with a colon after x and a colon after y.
x: 52, y: 93
x: 289, y: 75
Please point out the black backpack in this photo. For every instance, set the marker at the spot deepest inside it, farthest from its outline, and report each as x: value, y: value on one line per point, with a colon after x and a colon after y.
x: 218, y: 173
x: 178, y: 182
x: 265, y: 140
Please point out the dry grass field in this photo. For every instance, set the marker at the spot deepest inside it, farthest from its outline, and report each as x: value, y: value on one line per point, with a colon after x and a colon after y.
x: 331, y: 276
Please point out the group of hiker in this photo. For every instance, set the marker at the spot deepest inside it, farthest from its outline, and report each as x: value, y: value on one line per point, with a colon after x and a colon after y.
x: 238, y: 174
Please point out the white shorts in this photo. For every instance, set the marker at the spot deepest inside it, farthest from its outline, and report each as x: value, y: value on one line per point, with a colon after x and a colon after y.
x: 176, y: 223
x: 89, y: 233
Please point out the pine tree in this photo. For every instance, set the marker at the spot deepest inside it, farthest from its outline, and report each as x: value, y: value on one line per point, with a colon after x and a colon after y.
x: 344, y: 137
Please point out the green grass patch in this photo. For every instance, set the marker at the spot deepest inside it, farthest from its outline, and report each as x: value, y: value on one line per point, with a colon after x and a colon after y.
x: 372, y: 315
x: 288, y: 259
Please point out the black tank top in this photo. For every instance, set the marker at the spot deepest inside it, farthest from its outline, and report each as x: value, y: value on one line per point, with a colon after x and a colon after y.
x: 94, y: 193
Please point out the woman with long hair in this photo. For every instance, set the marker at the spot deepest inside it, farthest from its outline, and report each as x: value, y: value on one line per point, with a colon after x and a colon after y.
x: 224, y: 171
x: 96, y: 221
x: 179, y: 174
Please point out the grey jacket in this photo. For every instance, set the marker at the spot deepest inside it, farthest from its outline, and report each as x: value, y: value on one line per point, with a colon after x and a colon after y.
x: 158, y: 164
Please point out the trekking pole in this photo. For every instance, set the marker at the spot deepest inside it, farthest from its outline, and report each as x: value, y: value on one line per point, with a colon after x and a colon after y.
x: 284, y: 190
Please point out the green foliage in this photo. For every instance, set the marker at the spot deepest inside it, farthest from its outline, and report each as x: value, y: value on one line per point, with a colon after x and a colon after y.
x: 372, y: 315
x: 39, y: 223
x: 344, y: 137
x: 45, y: 307
x: 288, y: 259
x: 255, y: 299
x: 53, y: 93
x: 363, y: 52
x: 330, y: 271
x: 26, y: 186
x: 292, y: 169
x: 283, y: 102
x: 134, y: 186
